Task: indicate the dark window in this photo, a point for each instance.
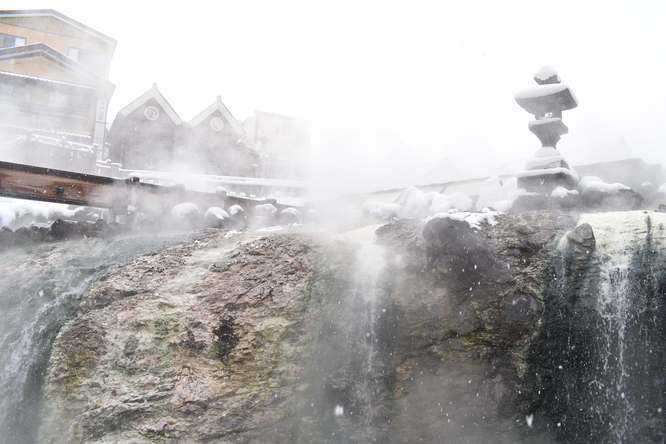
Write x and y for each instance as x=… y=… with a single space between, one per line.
x=12 y=92
x=7 y=41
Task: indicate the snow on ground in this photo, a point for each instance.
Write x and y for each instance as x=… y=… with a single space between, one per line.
x=473 y=219
x=276 y=228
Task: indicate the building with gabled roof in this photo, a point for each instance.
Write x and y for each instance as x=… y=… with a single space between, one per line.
x=147 y=134
x=54 y=89
x=143 y=133
x=212 y=138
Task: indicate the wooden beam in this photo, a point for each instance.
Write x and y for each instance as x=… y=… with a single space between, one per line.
x=123 y=196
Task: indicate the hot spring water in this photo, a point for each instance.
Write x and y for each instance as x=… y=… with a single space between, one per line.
x=601 y=361
x=348 y=385
x=596 y=372
x=40 y=288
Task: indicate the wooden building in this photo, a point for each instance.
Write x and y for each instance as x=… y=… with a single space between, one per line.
x=54 y=89
x=149 y=135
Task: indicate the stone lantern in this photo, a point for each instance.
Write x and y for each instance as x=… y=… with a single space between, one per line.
x=547 y=169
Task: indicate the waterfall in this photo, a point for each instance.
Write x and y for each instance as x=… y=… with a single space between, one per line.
x=40 y=289
x=351 y=376
x=601 y=357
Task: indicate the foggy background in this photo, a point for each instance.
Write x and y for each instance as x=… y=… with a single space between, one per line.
x=391 y=86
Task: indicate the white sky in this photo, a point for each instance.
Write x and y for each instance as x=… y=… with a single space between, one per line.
x=392 y=84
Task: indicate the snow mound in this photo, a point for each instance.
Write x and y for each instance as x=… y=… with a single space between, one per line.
x=381 y=210
x=216 y=212
x=562 y=192
x=21 y=212
x=594 y=183
x=266 y=209
x=235 y=209
x=290 y=210
x=276 y=228
x=184 y=211
x=416 y=203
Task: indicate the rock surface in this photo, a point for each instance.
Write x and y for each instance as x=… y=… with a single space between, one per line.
x=254 y=339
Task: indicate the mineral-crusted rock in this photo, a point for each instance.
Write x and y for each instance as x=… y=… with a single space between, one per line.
x=251 y=339
x=582 y=241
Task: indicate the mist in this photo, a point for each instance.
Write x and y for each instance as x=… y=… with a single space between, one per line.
x=398 y=85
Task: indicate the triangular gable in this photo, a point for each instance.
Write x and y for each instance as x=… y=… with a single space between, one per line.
x=152 y=93
x=218 y=106
x=83 y=74
x=53 y=22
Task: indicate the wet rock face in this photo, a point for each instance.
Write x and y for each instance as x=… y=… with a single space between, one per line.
x=251 y=339
x=170 y=347
x=463 y=329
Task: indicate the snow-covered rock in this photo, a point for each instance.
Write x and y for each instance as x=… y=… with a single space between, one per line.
x=594 y=183
x=491 y=192
x=416 y=203
x=216 y=217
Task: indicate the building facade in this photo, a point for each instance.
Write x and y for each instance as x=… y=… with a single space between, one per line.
x=284 y=140
x=54 y=90
x=149 y=135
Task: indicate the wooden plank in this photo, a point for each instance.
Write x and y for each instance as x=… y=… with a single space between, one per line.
x=122 y=196
x=66 y=187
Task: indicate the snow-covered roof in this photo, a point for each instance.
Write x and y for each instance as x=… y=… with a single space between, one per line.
x=43 y=79
x=21 y=18
x=43 y=50
x=218 y=106
x=152 y=93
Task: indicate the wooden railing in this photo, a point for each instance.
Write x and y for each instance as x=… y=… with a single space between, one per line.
x=122 y=196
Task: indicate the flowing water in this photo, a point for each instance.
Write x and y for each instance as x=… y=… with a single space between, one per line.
x=602 y=359
x=350 y=377
x=40 y=288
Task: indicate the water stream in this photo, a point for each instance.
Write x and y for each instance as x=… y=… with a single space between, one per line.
x=40 y=289
x=602 y=353
x=351 y=374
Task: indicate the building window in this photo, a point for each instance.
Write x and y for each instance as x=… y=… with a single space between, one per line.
x=78 y=102
x=216 y=124
x=68 y=101
x=151 y=113
x=58 y=100
x=7 y=41
x=12 y=92
x=150 y=160
x=95 y=61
